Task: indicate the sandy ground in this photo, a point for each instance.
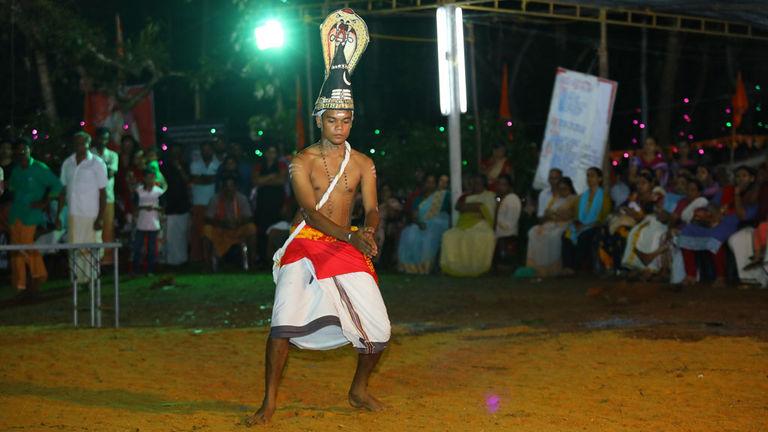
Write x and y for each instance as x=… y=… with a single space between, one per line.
x=511 y=378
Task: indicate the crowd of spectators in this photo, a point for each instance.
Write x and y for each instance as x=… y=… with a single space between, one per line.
x=673 y=217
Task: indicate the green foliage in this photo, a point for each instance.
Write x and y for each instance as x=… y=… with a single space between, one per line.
x=424 y=147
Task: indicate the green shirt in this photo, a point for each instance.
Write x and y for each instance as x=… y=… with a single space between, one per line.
x=28 y=186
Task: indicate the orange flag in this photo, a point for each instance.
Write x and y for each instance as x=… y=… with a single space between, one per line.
x=739 y=102
x=300 y=137
x=504 y=113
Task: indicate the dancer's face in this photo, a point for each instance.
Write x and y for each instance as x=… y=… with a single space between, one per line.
x=335 y=125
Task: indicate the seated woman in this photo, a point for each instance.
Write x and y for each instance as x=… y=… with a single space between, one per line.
x=420 y=240
x=507 y=222
x=467 y=249
x=645 y=238
x=612 y=237
x=713 y=225
x=749 y=245
x=578 y=248
x=712 y=190
x=647 y=254
x=545 y=239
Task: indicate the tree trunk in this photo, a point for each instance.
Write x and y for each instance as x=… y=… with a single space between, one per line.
x=667 y=92
x=46 y=88
x=516 y=69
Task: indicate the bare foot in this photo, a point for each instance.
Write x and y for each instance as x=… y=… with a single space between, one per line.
x=688 y=281
x=261 y=417
x=365 y=401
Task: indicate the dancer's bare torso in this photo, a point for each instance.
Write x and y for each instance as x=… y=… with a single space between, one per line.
x=317 y=165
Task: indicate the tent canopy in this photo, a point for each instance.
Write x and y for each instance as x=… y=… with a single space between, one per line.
x=754 y=12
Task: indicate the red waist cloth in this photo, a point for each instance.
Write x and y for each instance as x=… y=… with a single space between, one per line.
x=329 y=256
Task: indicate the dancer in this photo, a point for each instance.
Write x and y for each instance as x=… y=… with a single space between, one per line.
x=327 y=293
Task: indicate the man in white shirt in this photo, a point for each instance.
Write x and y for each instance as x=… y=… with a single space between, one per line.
x=84 y=177
x=507 y=219
x=112 y=161
x=545 y=196
x=203 y=172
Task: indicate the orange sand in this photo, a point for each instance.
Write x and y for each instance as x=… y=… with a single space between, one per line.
x=174 y=380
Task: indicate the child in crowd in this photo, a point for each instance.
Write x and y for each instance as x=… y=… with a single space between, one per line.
x=148 y=220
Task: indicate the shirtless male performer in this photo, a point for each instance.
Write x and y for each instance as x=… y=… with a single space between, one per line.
x=327 y=293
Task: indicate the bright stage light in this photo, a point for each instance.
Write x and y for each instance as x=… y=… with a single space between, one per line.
x=450 y=54
x=269 y=35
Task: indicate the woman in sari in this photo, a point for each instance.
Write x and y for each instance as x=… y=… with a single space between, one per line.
x=545 y=239
x=711 y=227
x=467 y=249
x=420 y=241
x=579 y=249
x=612 y=238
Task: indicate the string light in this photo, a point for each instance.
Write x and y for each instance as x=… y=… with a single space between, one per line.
x=727 y=124
x=164 y=128
x=125 y=126
x=615 y=163
x=82 y=123
x=635 y=122
x=213 y=131
x=372 y=151
x=260 y=132
x=701 y=151
x=509 y=124
x=164 y=147
x=34 y=131
x=626 y=155
x=690 y=136
x=441 y=129
x=464 y=162
x=376 y=131
x=642 y=125
x=686 y=100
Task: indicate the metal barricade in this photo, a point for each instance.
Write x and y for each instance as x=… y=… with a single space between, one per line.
x=84 y=261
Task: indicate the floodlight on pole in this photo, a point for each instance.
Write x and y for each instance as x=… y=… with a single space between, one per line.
x=450 y=59
x=453 y=87
x=269 y=35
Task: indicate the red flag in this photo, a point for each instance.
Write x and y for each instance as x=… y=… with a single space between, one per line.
x=300 y=137
x=739 y=102
x=504 y=113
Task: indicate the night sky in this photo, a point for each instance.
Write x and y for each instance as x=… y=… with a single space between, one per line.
x=395 y=84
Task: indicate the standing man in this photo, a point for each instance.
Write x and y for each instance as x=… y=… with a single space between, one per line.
x=327 y=293
x=203 y=171
x=112 y=160
x=177 y=205
x=84 y=177
x=33 y=185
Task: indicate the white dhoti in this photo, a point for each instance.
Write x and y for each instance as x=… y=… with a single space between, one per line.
x=84 y=262
x=327 y=296
x=742 y=245
x=646 y=237
x=176 y=243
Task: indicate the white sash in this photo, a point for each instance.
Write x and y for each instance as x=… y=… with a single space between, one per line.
x=280 y=252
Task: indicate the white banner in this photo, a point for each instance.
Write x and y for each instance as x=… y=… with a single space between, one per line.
x=577 y=127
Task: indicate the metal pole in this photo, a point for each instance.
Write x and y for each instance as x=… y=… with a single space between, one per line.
x=475 y=105
x=92 y=287
x=602 y=53
x=73 y=277
x=117 y=290
x=454 y=118
x=310 y=104
x=98 y=287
